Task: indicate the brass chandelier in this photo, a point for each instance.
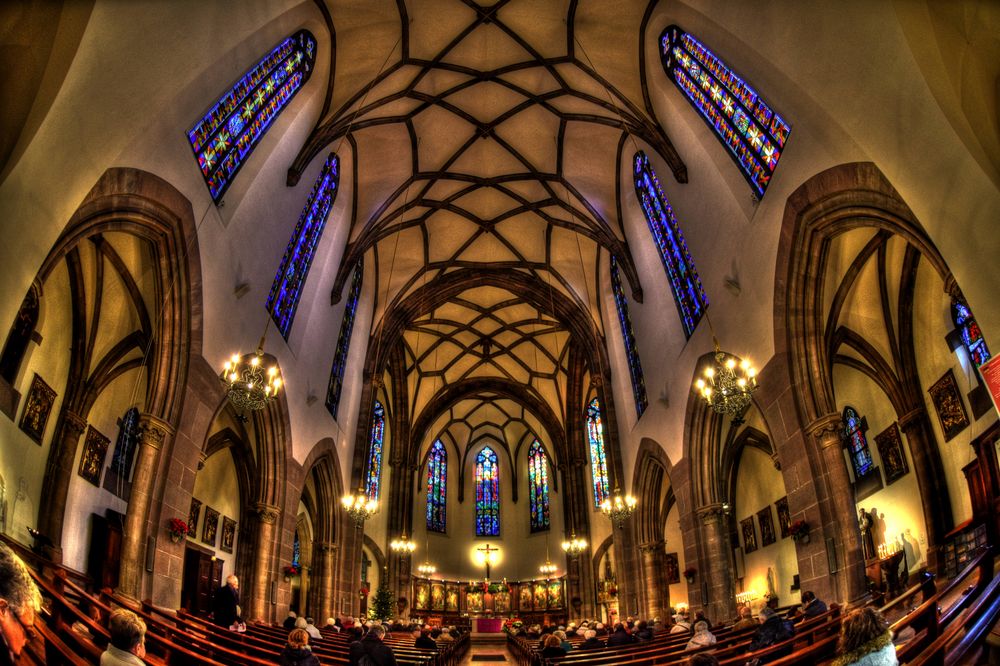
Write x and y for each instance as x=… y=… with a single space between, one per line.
x=359 y=507
x=618 y=507
x=249 y=385
x=727 y=385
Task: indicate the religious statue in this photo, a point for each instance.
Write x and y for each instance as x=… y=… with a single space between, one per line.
x=867 y=538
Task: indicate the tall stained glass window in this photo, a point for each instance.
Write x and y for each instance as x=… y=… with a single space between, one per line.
x=972 y=335
x=296 y=551
x=375 y=451
x=487 y=493
x=538 y=487
x=598 y=455
x=857 y=443
x=226 y=136
x=745 y=124
x=688 y=294
x=344 y=343
x=628 y=335
x=291 y=277
x=437 y=486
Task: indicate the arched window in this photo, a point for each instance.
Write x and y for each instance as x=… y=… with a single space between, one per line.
x=117 y=478
x=598 y=456
x=688 y=294
x=225 y=137
x=344 y=343
x=744 y=123
x=487 y=493
x=972 y=336
x=857 y=443
x=628 y=335
x=437 y=486
x=297 y=551
x=538 y=487
x=375 y=450
x=291 y=277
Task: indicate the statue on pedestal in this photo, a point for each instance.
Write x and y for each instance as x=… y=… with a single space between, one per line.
x=867 y=538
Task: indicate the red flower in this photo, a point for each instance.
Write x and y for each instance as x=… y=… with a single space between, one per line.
x=177 y=527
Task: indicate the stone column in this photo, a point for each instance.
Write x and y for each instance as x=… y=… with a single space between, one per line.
x=929 y=471
x=654 y=579
x=325 y=554
x=259 y=588
x=717 y=577
x=850 y=580
x=152 y=432
x=55 y=489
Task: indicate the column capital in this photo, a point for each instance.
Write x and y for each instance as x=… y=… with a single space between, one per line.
x=652 y=546
x=325 y=546
x=912 y=417
x=76 y=423
x=153 y=430
x=266 y=513
x=826 y=430
x=710 y=513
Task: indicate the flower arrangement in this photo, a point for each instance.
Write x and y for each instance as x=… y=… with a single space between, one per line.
x=178 y=529
x=689 y=574
x=363 y=592
x=799 y=530
x=291 y=570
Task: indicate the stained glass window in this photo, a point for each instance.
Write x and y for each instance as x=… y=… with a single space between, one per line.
x=754 y=134
x=437 y=480
x=972 y=335
x=487 y=493
x=598 y=455
x=224 y=139
x=343 y=343
x=291 y=277
x=128 y=437
x=538 y=487
x=296 y=551
x=628 y=335
x=857 y=443
x=688 y=294
x=375 y=450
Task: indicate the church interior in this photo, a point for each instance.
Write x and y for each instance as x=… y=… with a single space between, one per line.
x=534 y=310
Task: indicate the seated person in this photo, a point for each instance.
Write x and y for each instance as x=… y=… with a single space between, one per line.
x=312 y=629
x=127 y=646
x=699 y=616
x=811 y=606
x=447 y=635
x=620 y=637
x=591 y=642
x=424 y=640
x=552 y=648
x=289 y=622
x=643 y=632
x=297 y=652
x=746 y=620
x=702 y=636
x=773 y=629
x=681 y=625
x=703 y=659
x=561 y=635
x=332 y=625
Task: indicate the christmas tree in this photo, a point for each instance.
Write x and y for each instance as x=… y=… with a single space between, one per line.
x=383 y=602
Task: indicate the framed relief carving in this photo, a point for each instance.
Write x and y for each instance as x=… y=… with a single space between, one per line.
x=749 y=535
x=949 y=406
x=37 y=407
x=890 y=449
x=211 y=526
x=95 y=448
x=767 y=536
x=228 y=534
x=784 y=517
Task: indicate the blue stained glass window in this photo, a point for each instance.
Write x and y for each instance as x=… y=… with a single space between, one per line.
x=375 y=451
x=598 y=455
x=128 y=437
x=296 y=551
x=487 y=493
x=538 y=487
x=745 y=124
x=225 y=137
x=437 y=486
x=684 y=281
x=628 y=335
x=857 y=443
x=972 y=335
x=291 y=277
x=343 y=343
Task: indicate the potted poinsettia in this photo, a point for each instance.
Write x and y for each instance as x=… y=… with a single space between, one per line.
x=799 y=531
x=689 y=574
x=177 y=529
x=291 y=570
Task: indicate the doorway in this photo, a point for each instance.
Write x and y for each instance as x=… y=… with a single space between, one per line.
x=202 y=576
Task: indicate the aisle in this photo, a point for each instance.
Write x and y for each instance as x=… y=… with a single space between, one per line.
x=484 y=651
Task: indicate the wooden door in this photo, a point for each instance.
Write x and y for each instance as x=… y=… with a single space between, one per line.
x=202 y=576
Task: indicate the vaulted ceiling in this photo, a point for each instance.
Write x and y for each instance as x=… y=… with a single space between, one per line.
x=484 y=139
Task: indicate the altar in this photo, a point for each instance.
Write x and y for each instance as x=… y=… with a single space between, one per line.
x=487 y=625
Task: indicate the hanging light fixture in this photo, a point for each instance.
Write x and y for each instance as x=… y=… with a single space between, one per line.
x=727 y=385
x=427 y=569
x=548 y=568
x=359 y=506
x=574 y=546
x=618 y=507
x=249 y=385
x=402 y=546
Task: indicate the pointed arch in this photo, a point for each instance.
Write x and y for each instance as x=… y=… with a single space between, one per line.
x=538 y=487
x=487 y=480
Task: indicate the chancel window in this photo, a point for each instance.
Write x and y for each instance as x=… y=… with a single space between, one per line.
x=375 y=451
x=291 y=277
x=437 y=485
x=857 y=443
x=538 y=487
x=688 y=293
x=746 y=125
x=628 y=336
x=344 y=343
x=972 y=335
x=598 y=455
x=487 y=493
x=225 y=137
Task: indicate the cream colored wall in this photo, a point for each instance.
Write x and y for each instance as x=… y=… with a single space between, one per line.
x=217 y=487
x=759 y=485
x=675 y=544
